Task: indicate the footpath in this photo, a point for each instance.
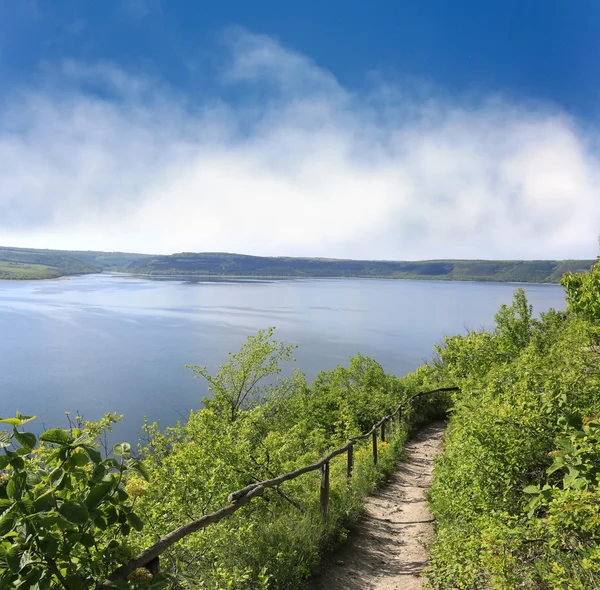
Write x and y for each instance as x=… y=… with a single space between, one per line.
x=388 y=548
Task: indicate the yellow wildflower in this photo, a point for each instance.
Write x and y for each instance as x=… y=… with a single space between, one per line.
x=136 y=487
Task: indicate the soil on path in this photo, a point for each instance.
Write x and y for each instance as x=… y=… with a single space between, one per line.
x=388 y=548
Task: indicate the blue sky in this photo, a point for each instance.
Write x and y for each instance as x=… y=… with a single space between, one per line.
x=396 y=130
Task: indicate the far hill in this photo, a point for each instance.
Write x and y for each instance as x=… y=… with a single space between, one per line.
x=238 y=265
x=27 y=263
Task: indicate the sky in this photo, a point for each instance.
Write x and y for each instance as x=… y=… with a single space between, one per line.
x=421 y=129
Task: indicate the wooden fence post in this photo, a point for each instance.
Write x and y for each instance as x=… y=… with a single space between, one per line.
x=350 y=461
x=383 y=431
x=375 y=446
x=324 y=489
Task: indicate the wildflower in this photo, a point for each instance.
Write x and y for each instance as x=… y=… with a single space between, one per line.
x=557 y=453
x=136 y=487
x=141 y=574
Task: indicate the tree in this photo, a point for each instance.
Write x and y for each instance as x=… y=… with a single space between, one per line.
x=248 y=375
x=513 y=324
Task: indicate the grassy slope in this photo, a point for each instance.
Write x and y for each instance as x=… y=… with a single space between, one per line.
x=28 y=263
x=21 y=271
x=23 y=263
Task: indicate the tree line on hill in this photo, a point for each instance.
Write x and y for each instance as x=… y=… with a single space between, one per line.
x=20 y=263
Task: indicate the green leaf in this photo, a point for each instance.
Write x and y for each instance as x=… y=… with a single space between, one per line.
x=14 y=487
x=98 y=493
x=25 y=439
x=13 y=558
x=12 y=421
x=57 y=436
x=74 y=537
x=74 y=512
x=135 y=521
x=74 y=582
x=23 y=418
x=98 y=473
x=87 y=540
x=122 y=449
x=100 y=522
x=56 y=477
x=16 y=462
x=78 y=460
x=531 y=490
x=93 y=454
x=83 y=439
x=5 y=439
x=5 y=504
x=7 y=523
x=49 y=546
x=111 y=514
x=43 y=503
x=139 y=467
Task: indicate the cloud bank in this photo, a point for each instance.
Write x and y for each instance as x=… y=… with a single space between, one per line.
x=292 y=163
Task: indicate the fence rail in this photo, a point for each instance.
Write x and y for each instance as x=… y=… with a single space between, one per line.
x=149 y=557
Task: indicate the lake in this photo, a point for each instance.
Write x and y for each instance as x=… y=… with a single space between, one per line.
x=103 y=343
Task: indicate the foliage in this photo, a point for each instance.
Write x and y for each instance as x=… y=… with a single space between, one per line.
x=583 y=292
x=66 y=513
x=239 y=383
x=275 y=541
x=515 y=493
x=20 y=271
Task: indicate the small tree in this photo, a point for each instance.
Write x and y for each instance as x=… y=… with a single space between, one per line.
x=244 y=379
x=513 y=324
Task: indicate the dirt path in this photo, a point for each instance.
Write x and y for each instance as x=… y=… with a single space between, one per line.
x=388 y=548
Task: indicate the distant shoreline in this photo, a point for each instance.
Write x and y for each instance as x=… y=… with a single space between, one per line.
x=271 y=277
x=317 y=278
x=27 y=264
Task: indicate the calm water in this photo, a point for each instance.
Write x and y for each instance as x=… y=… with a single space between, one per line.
x=104 y=343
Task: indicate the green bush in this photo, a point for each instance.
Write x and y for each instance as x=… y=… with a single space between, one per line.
x=66 y=513
x=515 y=493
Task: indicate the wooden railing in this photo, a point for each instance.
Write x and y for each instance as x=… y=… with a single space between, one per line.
x=149 y=557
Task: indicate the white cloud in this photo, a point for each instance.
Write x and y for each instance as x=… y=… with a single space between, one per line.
x=96 y=157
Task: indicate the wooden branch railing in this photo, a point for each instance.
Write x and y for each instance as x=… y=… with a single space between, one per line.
x=245 y=495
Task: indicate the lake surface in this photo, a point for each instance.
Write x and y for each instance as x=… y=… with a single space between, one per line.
x=104 y=343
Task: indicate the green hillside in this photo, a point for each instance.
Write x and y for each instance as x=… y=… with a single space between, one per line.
x=29 y=263
x=26 y=263
x=221 y=264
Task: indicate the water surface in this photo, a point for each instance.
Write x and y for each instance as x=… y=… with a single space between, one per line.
x=103 y=343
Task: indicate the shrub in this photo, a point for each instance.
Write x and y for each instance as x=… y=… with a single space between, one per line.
x=66 y=513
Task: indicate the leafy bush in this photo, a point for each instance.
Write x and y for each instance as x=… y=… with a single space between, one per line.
x=66 y=513
x=583 y=292
x=515 y=493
